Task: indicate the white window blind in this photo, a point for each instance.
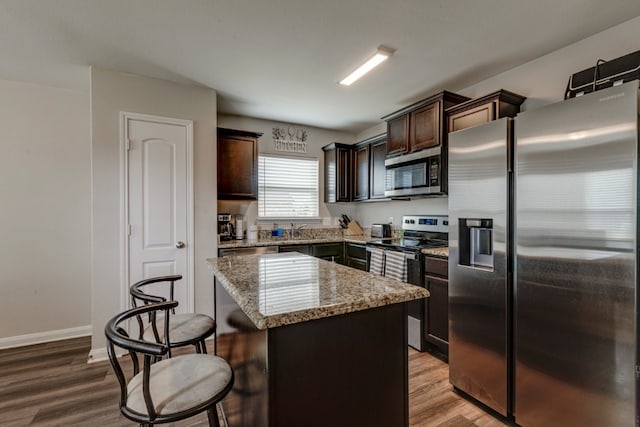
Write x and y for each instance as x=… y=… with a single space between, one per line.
x=287 y=187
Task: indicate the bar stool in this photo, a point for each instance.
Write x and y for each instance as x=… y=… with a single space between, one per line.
x=167 y=390
x=184 y=328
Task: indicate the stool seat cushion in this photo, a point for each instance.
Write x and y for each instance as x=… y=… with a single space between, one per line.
x=180 y=383
x=183 y=327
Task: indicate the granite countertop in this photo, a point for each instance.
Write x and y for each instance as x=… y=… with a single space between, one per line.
x=276 y=242
x=286 y=288
x=286 y=241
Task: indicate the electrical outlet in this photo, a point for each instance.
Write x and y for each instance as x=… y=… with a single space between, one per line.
x=391 y=220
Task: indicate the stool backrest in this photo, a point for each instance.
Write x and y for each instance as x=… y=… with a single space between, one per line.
x=117 y=336
x=139 y=297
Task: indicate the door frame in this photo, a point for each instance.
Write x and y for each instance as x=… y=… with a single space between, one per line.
x=124 y=204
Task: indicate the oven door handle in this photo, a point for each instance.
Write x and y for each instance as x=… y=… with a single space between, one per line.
x=410 y=255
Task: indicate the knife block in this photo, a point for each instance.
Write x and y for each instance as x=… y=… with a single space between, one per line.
x=353 y=229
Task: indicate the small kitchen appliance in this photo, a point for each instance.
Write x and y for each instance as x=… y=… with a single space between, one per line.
x=380 y=231
x=239 y=229
x=226 y=229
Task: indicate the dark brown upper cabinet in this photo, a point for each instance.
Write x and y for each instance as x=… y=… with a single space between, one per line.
x=237 y=164
x=368 y=168
x=397 y=132
x=420 y=125
x=337 y=172
x=484 y=109
x=361 y=172
x=424 y=127
x=377 y=172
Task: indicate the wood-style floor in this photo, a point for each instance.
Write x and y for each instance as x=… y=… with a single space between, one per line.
x=52 y=385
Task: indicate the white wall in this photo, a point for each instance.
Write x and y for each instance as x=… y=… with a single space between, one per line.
x=316 y=139
x=542 y=81
x=111 y=93
x=45 y=262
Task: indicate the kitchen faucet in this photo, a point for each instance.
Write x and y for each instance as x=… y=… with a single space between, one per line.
x=296 y=230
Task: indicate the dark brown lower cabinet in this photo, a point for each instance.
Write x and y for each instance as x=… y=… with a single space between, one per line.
x=328 y=251
x=303 y=249
x=355 y=255
x=347 y=370
x=437 y=305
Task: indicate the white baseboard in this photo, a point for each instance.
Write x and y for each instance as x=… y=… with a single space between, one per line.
x=98 y=355
x=42 y=337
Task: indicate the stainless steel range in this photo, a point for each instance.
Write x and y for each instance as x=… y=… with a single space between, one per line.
x=418 y=232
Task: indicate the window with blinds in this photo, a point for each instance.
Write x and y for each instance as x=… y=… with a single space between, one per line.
x=287 y=187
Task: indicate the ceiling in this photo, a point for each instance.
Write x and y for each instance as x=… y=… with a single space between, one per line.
x=280 y=59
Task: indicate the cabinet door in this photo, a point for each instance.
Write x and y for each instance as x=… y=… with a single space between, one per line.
x=437 y=313
x=355 y=250
x=328 y=251
x=343 y=167
x=378 y=173
x=337 y=173
x=361 y=173
x=237 y=167
x=475 y=116
x=398 y=135
x=330 y=176
x=425 y=127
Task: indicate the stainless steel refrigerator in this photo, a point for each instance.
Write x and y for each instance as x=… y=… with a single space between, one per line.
x=543 y=261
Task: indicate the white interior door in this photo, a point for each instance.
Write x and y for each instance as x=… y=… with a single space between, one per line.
x=159 y=200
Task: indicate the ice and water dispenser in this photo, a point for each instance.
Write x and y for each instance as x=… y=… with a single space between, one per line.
x=476 y=242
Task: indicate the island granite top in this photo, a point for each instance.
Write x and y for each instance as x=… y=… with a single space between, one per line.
x=286 y=288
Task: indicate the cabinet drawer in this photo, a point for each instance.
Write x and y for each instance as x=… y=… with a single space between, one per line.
x=436 y=266
x=357 y=263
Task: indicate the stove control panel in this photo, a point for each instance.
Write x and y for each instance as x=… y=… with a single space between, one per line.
x=432 y=223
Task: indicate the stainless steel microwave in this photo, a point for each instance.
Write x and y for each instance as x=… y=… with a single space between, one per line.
x=413 y=174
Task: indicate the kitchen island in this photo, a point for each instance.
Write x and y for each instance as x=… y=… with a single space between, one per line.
x=322 y=344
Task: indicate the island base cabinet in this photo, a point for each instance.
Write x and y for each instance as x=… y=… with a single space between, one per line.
x=343 y=371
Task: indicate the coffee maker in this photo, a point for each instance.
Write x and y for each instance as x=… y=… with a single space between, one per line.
x=226 y=230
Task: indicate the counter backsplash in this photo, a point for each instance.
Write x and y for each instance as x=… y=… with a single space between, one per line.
x=304 y=234
x=316 y=233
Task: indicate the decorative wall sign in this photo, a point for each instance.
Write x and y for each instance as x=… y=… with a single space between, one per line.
x=292 y=140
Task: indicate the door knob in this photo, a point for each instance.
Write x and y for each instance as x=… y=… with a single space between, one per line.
x=180 y=245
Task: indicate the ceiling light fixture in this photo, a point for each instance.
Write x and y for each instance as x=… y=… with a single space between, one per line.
x=382 y=54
